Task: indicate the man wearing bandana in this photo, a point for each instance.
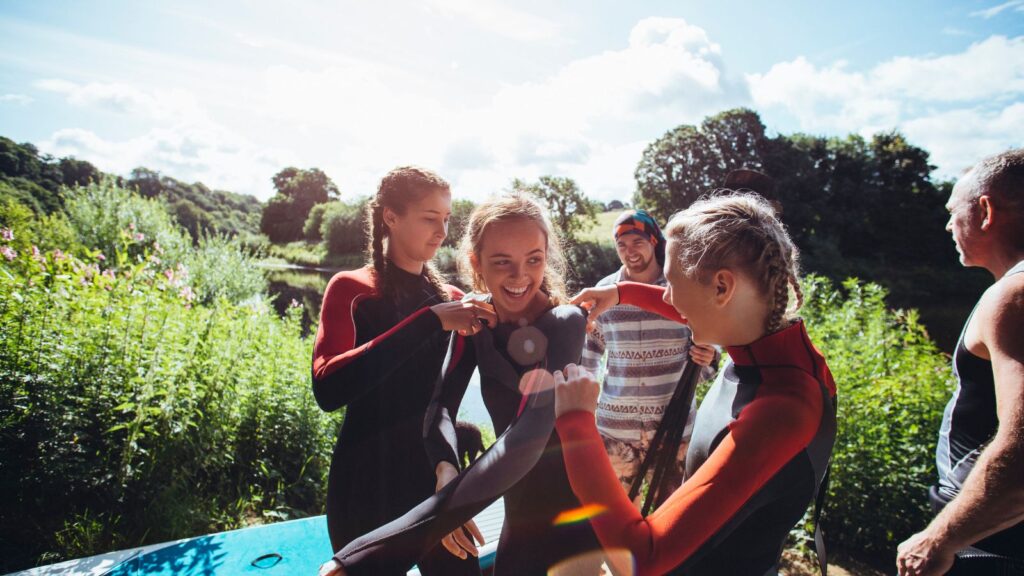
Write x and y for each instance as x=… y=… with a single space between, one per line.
x=646 y=355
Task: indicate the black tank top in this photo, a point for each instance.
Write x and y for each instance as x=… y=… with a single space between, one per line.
x=969 y=421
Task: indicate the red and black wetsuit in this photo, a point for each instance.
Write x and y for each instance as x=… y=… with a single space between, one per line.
x=524 y=465
x=760 y=447
x=380 y=359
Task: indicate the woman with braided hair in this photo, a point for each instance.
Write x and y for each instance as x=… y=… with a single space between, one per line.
x=383 y=334
x=764 y=433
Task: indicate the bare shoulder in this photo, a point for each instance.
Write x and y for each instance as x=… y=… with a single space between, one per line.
x=1000 y=318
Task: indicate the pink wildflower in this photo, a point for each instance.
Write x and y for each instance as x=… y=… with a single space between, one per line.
x=108 y=273
x=36 y=255
x=58 y=255
x=187 y=294
x=8 y=253
x=101 y=257
x=139 y=236
x=7 y=234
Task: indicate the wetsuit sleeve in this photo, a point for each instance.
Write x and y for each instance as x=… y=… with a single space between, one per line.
x=758 y=444
x=342 y=371
x=395 y=547
x=439 y=422
x=648 y=297
x=594 y=348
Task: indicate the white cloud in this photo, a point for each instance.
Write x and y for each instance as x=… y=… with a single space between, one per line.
x=213 y=157
x=365 y=119
x=1015 y=5
x=19 y=99
x=126 y=99
x=590 y=114
x=958 y=138
x=958 y=106
x=991 y=68
x=498 y=18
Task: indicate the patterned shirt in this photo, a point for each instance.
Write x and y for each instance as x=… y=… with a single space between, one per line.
x=646 y=355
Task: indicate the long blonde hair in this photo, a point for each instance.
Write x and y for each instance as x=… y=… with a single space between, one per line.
x=740 y=230
x=510 y=207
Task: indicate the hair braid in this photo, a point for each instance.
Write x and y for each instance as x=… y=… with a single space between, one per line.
x=795 y=283
x=377 y=231
x=740 y=229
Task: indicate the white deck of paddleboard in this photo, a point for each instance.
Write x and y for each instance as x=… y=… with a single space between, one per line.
x=489 y=521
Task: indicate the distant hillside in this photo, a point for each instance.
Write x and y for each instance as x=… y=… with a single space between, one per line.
x=36 y=180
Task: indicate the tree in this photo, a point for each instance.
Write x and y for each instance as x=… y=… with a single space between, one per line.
x=689 y=161
x=461 y=209
x=76 y=172
x=297 y=192
x=344 y=228
x=192 y=218
x=569 y=208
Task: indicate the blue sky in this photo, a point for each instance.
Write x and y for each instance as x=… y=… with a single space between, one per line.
x=487 y=90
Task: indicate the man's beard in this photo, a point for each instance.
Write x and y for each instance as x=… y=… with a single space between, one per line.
x=640 y=266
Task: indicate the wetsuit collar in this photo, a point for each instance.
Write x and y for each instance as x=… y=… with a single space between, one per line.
x=786 y=346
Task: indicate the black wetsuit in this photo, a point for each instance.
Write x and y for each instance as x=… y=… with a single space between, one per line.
x=969 y=423
x=380 y=359
x=525 y=463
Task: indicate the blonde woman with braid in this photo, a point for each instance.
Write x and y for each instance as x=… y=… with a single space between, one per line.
x=764 y=433
x=383 y=333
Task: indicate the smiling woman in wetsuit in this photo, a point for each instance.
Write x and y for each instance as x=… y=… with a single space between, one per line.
x=764 y=432
x=382 y=337
x=510 y=252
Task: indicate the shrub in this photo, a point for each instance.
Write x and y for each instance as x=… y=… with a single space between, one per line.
x=590 y=262
x=132 y=414
x=893 y=385
x=343 y=228
x=220 y=267
x=111 y=219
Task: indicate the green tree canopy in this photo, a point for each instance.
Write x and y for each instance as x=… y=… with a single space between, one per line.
x=298 y=191
x=569 y=208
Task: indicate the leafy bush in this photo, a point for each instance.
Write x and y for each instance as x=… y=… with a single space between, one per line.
x=132 y=414
x=343 y=228
x=590 y=262
x=109 y=218
x=893 y=385
x=220 y=267
x=44 y=231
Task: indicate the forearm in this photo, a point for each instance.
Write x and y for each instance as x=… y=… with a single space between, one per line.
x=341 y=377
x=992 y=498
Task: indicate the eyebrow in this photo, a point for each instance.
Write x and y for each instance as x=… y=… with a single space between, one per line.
x=530 y=253
x=432 y=211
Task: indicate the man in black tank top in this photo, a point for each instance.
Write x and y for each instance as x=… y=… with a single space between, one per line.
x=980 y=494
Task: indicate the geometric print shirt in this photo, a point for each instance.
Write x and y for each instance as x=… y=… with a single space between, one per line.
x=646 y=355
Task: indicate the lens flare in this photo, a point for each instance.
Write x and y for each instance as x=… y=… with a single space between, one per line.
x=585 y=512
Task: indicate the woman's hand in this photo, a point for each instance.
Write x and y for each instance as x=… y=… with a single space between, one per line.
x=332 y=568
x=701 y=354
x=575 y=389
x=466 y=317
x=458 y=542
x=596 y=301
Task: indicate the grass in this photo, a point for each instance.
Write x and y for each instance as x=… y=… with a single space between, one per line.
x=602 y=231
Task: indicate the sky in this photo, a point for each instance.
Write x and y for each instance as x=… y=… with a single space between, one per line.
x=484 y=91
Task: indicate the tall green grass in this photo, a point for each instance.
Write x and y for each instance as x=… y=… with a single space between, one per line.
x=135 y=408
